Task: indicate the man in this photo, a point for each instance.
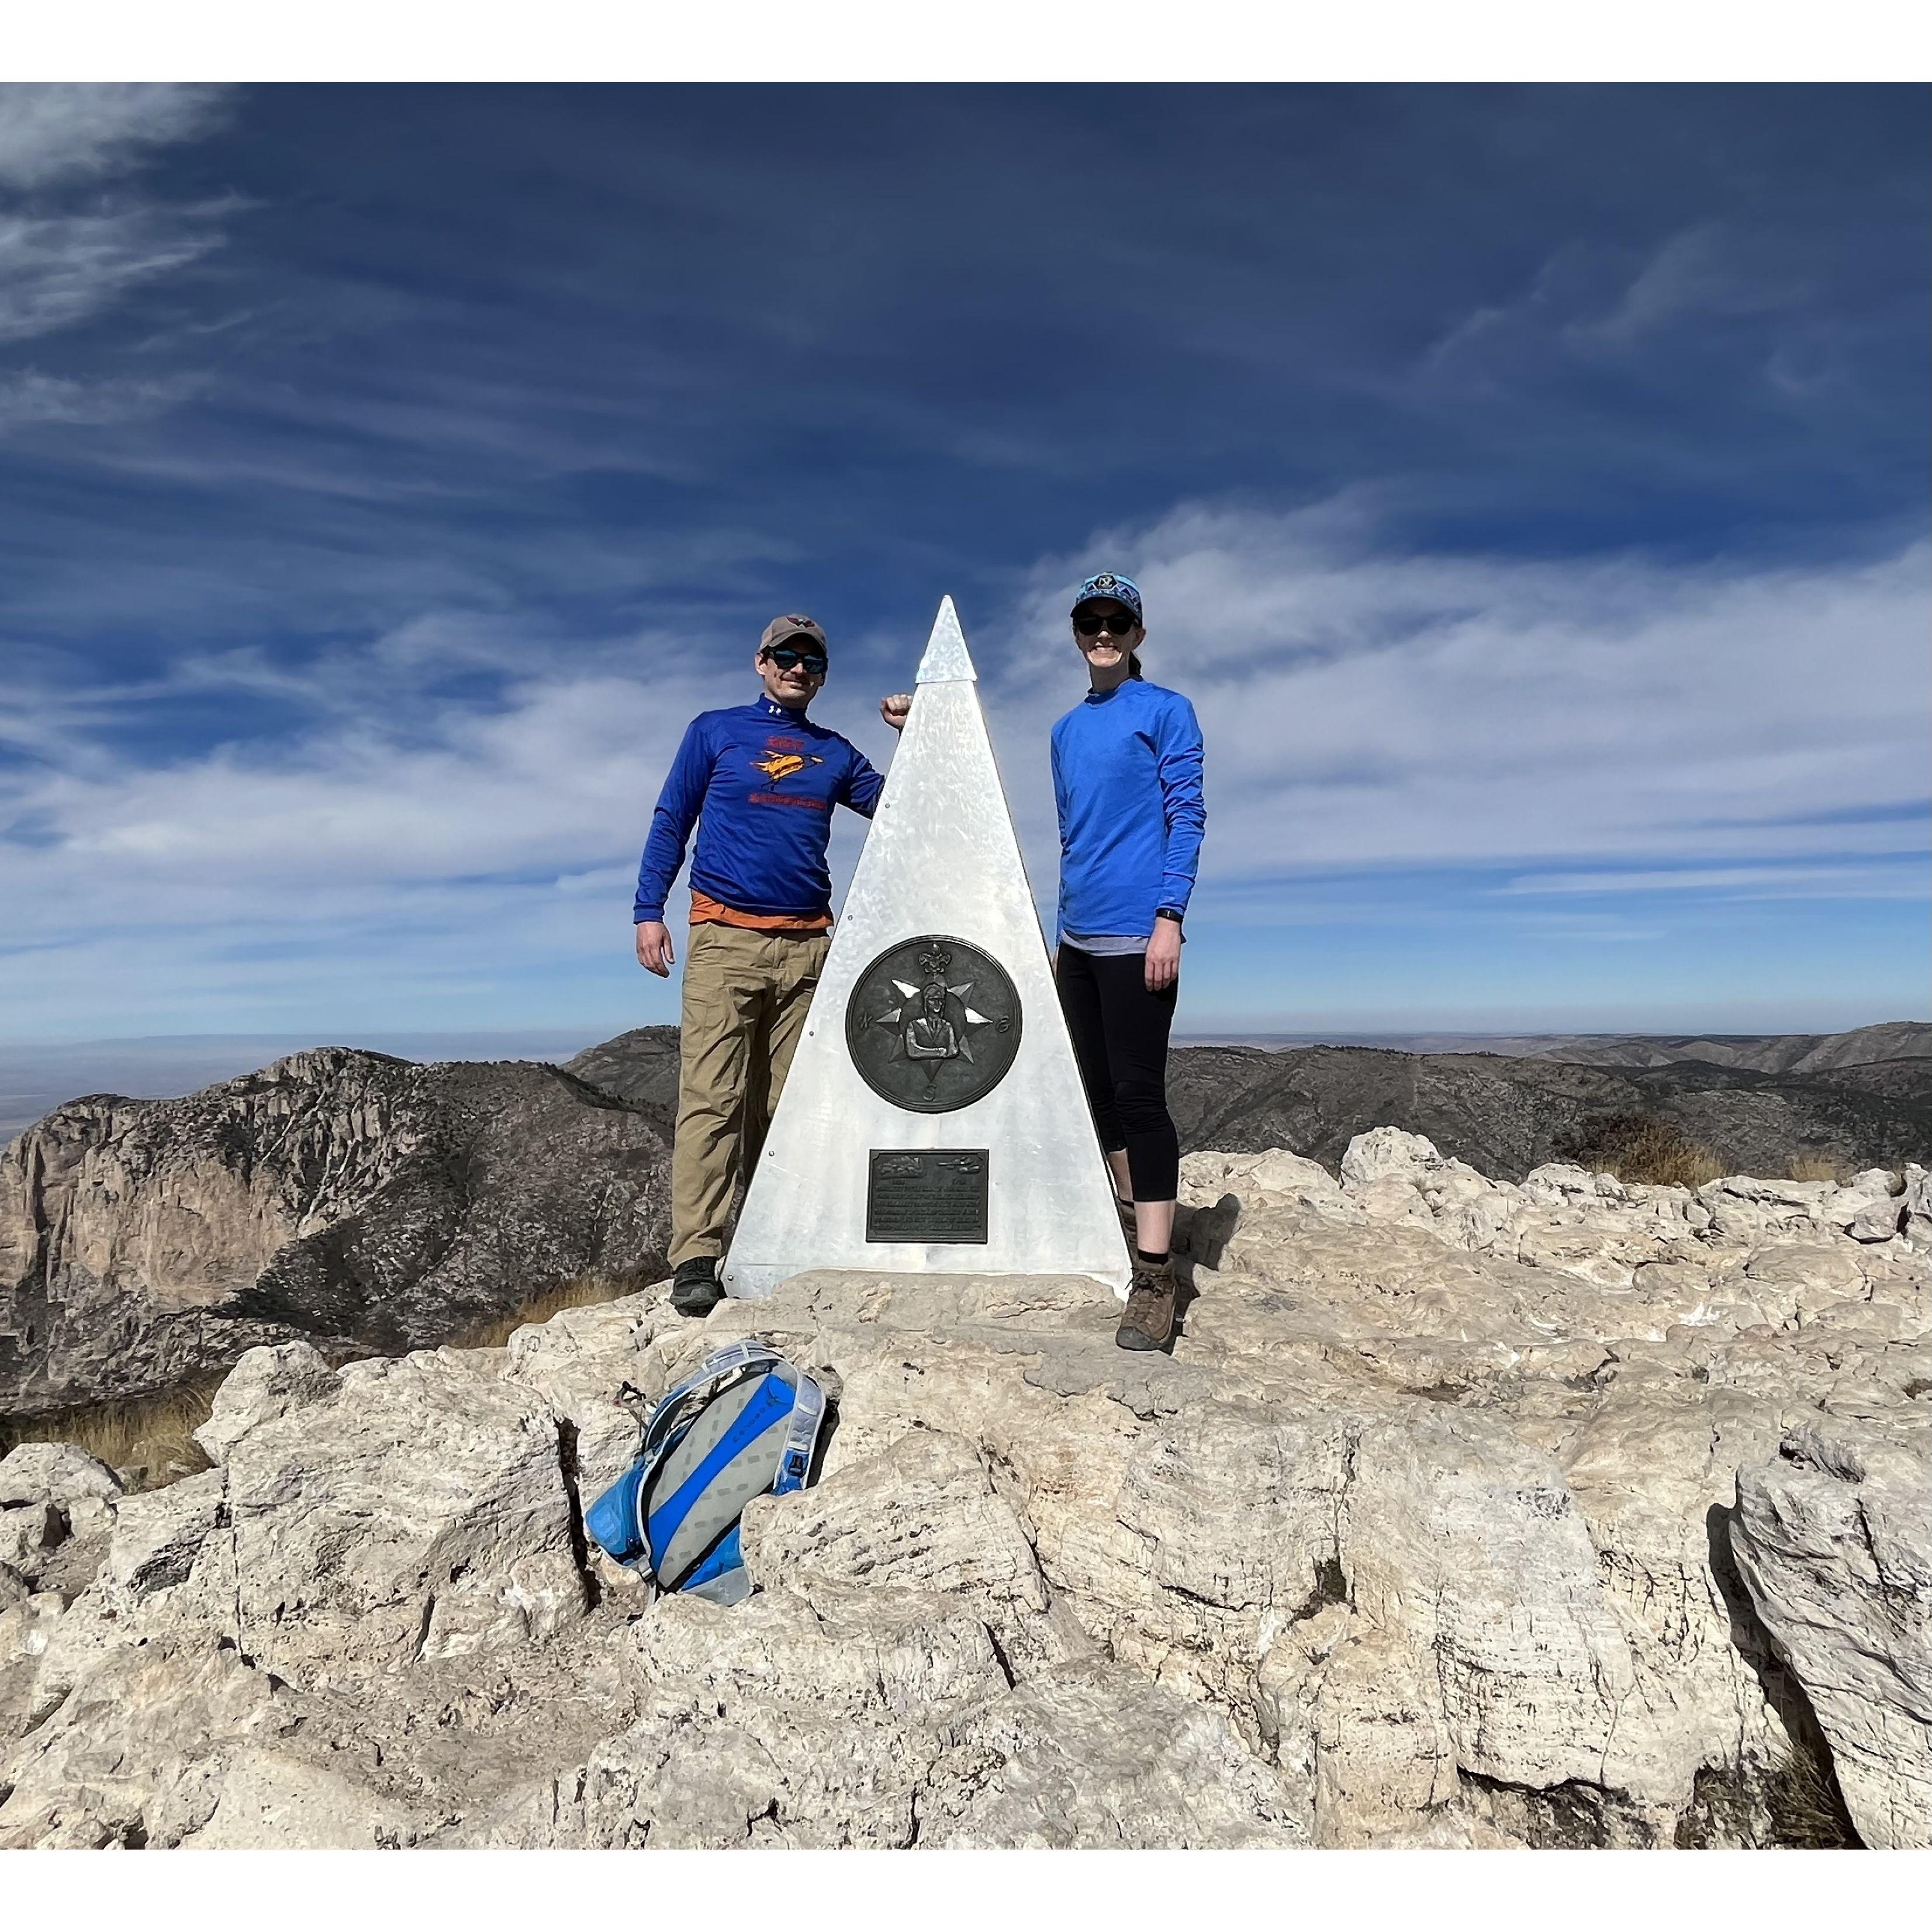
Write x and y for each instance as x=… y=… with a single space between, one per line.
x=759 y=782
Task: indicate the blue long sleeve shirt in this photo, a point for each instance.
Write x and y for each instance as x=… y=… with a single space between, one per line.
x=759 y=782
x=1126 y=779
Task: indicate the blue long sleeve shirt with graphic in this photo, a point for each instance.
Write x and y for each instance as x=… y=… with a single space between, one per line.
x=759 y=782
x=1126 y=779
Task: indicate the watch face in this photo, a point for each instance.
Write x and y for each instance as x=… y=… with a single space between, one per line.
x=933 y=1024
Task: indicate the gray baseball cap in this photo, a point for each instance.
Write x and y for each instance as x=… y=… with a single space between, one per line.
x=794 y=625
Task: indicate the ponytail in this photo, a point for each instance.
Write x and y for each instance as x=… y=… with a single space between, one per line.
x=1133 y=664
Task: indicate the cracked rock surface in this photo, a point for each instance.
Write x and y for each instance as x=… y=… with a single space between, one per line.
x=1463 y=1513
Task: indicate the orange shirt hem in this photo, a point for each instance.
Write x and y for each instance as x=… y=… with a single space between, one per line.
x=707 y=911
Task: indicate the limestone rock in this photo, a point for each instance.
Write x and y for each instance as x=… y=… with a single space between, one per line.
x=159 y=1535
x=1430 y=1531
x=583 y=1362
x=26 y=1529
x=1915 y=1206
x=265 y=1383
x=1833 y=1537
x=55 y=1472
x=421 y=1513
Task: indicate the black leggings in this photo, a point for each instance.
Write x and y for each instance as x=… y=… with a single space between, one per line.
x=1120 y=1038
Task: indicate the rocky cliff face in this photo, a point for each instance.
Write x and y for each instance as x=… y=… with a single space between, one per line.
x=1463 y=1513
x=365 y=1203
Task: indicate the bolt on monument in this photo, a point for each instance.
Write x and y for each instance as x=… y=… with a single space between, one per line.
x=933 y=1120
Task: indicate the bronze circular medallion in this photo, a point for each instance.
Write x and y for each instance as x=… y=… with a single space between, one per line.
x=932 y=1025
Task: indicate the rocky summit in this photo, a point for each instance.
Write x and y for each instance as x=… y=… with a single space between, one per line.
x=359 y=1202
x=1463 y=1513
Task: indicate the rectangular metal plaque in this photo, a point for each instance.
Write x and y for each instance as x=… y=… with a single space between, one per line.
x=932 y=1196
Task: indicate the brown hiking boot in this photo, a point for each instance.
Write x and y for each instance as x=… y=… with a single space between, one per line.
x=1129 y=1226
x=1149 y=1319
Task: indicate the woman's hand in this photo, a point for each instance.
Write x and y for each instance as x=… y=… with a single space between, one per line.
x=1163 y=956
x=895 y=710
x=654 y=952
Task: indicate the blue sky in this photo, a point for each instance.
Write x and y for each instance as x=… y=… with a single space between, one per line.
x=1529 y=485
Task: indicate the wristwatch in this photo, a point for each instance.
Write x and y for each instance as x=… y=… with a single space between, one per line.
x=1167 y=912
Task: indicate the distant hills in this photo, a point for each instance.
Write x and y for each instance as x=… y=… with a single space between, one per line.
x=1503 y=1102
x=1759 y=1053
x=1755 y=1102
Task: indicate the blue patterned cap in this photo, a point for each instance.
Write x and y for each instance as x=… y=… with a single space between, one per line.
x=1122 y=589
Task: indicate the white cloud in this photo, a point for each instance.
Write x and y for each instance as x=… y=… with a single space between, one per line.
x=1365 y=708
x=1624 y=725
x=56 y=132
x=63 y=257
x=1712 y=269
x=56 y=270
x=1904 y=881
x=31 y=397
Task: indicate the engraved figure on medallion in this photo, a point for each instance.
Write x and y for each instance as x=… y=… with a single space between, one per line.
x=933 y=1024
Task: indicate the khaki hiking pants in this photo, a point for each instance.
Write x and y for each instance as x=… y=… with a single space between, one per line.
x=745 y=996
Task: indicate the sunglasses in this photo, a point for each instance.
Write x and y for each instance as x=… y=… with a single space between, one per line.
x=1116 y=625
x=785 y=658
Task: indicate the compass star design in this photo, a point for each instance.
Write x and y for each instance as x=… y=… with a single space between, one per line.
x=933 y=1024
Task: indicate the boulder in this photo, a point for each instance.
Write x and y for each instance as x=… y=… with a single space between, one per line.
x=264 y=1384
x=1833 y=1537
x=427 y=1517
x=56 y=1473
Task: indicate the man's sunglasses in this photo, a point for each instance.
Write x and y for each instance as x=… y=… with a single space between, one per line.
x=785 y=657
x=1116 y=625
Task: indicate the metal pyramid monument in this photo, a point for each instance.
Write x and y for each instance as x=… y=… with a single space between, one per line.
x=933 y=1120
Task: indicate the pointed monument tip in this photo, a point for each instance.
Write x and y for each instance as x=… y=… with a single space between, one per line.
x=946 y=660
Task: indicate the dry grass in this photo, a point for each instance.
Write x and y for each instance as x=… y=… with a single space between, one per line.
x=1807 y=1811
x=1642 y=1148
x=1815 y=1167
x=149 y=1439
x=586 y=1291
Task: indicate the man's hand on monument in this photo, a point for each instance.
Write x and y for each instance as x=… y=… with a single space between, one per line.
x=895 y=710
x=654 y=952
x=1163 y=956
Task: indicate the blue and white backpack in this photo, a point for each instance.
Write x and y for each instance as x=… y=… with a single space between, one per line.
x=744 y=1424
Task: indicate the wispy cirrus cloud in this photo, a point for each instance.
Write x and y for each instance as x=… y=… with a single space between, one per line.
x=34 y=398
x=56 y=270
x=77 y=234
x=362 y=559
x=63 y=133
x=1902 y=878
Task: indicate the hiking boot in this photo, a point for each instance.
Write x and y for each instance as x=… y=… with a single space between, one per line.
x=1149 y=1319
x=694 y=1288
x=1129 y=1226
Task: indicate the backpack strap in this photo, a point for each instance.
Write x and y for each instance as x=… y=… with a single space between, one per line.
x=715 y=1372
x=808 y=1411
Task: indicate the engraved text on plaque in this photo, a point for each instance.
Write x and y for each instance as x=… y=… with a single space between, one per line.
x=934 y=1195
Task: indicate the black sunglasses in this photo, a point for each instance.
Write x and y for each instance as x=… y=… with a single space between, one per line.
x=785 y=657
x=1117 y=625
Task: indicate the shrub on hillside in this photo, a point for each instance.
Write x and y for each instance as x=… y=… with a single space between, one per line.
x=1643 y=1147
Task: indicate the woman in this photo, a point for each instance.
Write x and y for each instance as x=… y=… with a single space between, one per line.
x=1126 y=778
